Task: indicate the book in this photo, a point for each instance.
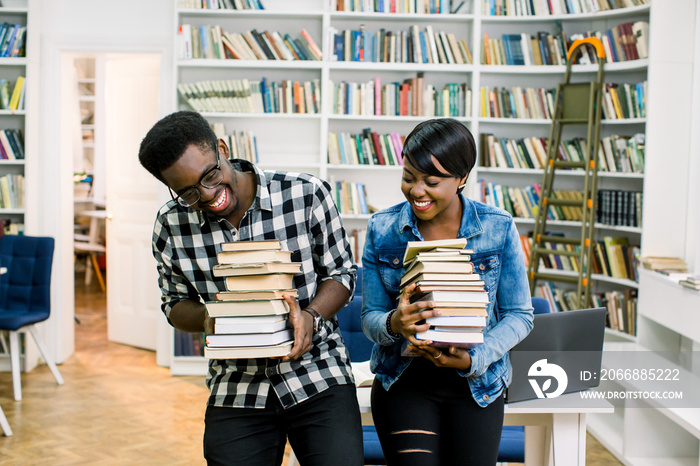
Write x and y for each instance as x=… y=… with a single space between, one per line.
x=242 y=257
x=454 y=298
x=437 y=276
x=273 y=281
x=251 y=245
x=249 y=352
x=441 y=267
x=225 y=328
x=253 y=307
x=457 y=321
x=252 y=295
x=467 y=310
x=445 y=338
x=476 y=285
x=261 y=268
x=250 y=339
x=415 y=247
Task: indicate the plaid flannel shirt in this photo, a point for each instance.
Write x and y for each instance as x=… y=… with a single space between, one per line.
x=298 y=210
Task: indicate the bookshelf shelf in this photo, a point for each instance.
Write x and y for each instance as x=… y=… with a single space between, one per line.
x=251 y=14
x=403 y=17
x=632 y=65
x=282 y=116
x=580 y=17
x=390 y=118
x=349 y=167
x=251 y=64
x=13 y=112
x=577 y=224
x=595 y=276
x=539 y=172
x=12 y=162
x=413 y=67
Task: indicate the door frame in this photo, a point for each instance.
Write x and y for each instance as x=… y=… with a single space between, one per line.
x=54 y=189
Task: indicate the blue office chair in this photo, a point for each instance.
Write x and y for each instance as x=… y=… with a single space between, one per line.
x=25 y=296
x=513 y=437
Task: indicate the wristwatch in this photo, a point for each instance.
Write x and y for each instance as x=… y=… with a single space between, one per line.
x=318 y=318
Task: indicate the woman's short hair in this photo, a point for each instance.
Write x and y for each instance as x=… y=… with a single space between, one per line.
x=448 y=140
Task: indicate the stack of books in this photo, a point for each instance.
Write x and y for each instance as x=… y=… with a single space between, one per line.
x=251 y=318
x=443 y=272
x=662 y=263
x=692 y=282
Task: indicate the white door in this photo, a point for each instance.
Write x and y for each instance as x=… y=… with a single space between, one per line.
x=131 y=108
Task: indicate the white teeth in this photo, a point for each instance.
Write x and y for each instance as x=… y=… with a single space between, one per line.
x=219 y=201
x=421 y=204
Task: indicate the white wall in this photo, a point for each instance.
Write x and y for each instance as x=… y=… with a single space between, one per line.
x=667 y=180
x=68 y=26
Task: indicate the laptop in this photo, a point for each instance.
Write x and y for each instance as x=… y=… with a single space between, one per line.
x=562 y=354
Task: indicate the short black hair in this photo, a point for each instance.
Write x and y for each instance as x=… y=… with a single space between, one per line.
x=170 y=137
x=448 y=140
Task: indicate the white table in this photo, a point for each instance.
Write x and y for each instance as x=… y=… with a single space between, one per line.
x=555 y=430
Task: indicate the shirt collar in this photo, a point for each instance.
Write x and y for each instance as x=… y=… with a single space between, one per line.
x=470 y=226
x=262 y=199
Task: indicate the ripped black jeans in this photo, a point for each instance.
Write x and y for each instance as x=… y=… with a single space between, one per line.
x=429 y=418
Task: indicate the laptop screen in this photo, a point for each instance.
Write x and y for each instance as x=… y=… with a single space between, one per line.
x=561 y=355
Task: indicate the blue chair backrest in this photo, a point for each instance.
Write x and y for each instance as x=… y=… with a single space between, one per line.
x=541 y=305
x=27 y=283
x=359 y=346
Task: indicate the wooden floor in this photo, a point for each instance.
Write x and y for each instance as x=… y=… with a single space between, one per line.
x=116 y=406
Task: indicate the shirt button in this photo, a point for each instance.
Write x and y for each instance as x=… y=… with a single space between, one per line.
x=482 y=266
x=486 y=397
x=396 y=261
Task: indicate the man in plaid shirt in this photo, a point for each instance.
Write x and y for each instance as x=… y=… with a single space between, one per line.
x=307 y=396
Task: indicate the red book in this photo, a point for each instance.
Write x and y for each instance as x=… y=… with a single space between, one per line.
x=403 y=103
x=378 y=148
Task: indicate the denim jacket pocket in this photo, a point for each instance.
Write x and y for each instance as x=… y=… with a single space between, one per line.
x=391 y=268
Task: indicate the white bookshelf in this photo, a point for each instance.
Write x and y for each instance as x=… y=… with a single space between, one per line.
x=25 y=119
x=299 y=142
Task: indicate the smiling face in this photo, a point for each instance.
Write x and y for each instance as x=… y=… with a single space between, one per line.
x=222 y=200
x=431 y=197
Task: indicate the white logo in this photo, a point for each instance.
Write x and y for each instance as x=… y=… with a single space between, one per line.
x=542 y=369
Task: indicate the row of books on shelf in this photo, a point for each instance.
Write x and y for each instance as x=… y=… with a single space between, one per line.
x=221 y=4
x=356 y=238
x=412 y=97
x=14 y=99
x=613 y=207
x=242 y=144
x=620 y=101
x=621 y=304
x=212 y=42
x=9 y=227
x=612 y=257
x=244 y=96
x=366 y=148
x=398 y=6
x=619 y=208
x=553 y=7
x=12 y=40
x=624 y=42
x=11 y=144
x=617 y=154
x=188 y=344
x=12 y=191
x=351 y=198
x=410 y=46
x=251 y=317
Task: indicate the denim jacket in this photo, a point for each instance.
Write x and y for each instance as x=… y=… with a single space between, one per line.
x=497 y=257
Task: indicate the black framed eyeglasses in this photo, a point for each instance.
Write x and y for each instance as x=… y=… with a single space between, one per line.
x=211 y=179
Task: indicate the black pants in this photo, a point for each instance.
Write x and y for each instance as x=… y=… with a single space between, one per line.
x=429 y=418
x=323 y=430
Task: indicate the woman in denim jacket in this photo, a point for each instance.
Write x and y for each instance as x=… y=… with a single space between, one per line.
x=442 y=407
